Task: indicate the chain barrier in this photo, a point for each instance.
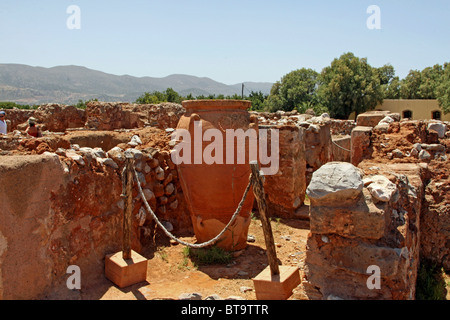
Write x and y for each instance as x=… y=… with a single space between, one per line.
x=170 y=235
x=341 y=146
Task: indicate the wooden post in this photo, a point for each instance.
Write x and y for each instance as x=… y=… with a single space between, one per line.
x=128 y=208
x=127 y=267
x=258 y=190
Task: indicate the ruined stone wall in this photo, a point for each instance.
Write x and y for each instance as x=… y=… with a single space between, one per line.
x=285 y=191
x=110 y=116
x=361 y=219
x=418 y=142
x=98 y=116
x=64 y=207
x=53 y=214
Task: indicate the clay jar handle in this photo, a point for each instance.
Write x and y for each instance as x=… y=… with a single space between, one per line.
x=195 y=117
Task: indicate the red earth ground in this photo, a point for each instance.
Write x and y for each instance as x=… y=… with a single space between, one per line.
x=171 y=272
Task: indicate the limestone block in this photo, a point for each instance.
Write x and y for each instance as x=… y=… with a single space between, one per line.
x=370 y=119
x=380 y=187
x=363 y=219
x=440 y=128
x=335 y=183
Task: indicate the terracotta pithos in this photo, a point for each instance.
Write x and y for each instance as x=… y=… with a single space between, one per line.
x=213 y=191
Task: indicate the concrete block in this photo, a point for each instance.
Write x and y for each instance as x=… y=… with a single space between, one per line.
x=125 y=273
x=278 y=287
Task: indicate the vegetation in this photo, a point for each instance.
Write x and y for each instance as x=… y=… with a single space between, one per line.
x=296 y=90
x=82 y=104
x=430 y=282
x=212 y=255
x=170 y=95
x=10 y=105
x=349 y=85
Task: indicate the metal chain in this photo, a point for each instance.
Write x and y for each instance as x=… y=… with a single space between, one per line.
x=192 y=245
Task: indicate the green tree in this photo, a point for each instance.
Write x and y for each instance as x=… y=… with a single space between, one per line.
x=257 y=99
x=294 y=89
x=349 y=85
x=148 y=98
x=431 y=79
x=392 y=90
x=410 y=86
x=443 y=89
x=171 y=95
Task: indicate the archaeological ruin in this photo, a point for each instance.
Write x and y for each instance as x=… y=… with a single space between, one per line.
x=374 y=194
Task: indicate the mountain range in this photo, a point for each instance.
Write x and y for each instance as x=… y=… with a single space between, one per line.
x=25 y=84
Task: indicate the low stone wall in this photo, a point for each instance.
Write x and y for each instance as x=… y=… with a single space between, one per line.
x=98 y=116
x=65 y=208
x=110 y=116
x=54 y=214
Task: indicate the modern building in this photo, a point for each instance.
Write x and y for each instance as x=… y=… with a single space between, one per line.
x=415 y=109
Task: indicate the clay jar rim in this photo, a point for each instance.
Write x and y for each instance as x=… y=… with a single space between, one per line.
x=220 y=104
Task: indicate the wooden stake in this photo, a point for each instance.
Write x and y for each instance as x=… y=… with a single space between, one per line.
x=128 y=209
x=258 y=190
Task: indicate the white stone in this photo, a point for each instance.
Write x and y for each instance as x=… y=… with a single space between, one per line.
x=136 y=154
x=335 y=181
x=107 y=162
x=76 y=157
x=135 y=141
x=98 y=152
x=381 y=188
x=424 y=155
x=117 y=154
x=440 y=128
x=386 y=120
x=159 y=173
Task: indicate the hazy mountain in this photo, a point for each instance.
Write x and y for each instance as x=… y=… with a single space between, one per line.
x=67 y=84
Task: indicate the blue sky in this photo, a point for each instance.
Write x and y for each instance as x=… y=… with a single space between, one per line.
x=227 y=40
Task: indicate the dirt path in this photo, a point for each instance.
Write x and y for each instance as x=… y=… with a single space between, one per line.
x=171 y=272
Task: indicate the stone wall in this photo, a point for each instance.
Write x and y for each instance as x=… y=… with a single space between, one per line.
x=54 y=214
x=110 y=116
x=65 y=208
x=285 y=191
x=98 y=116
x=360 y=219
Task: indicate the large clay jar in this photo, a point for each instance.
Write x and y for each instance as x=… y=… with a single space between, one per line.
x=213 y=191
